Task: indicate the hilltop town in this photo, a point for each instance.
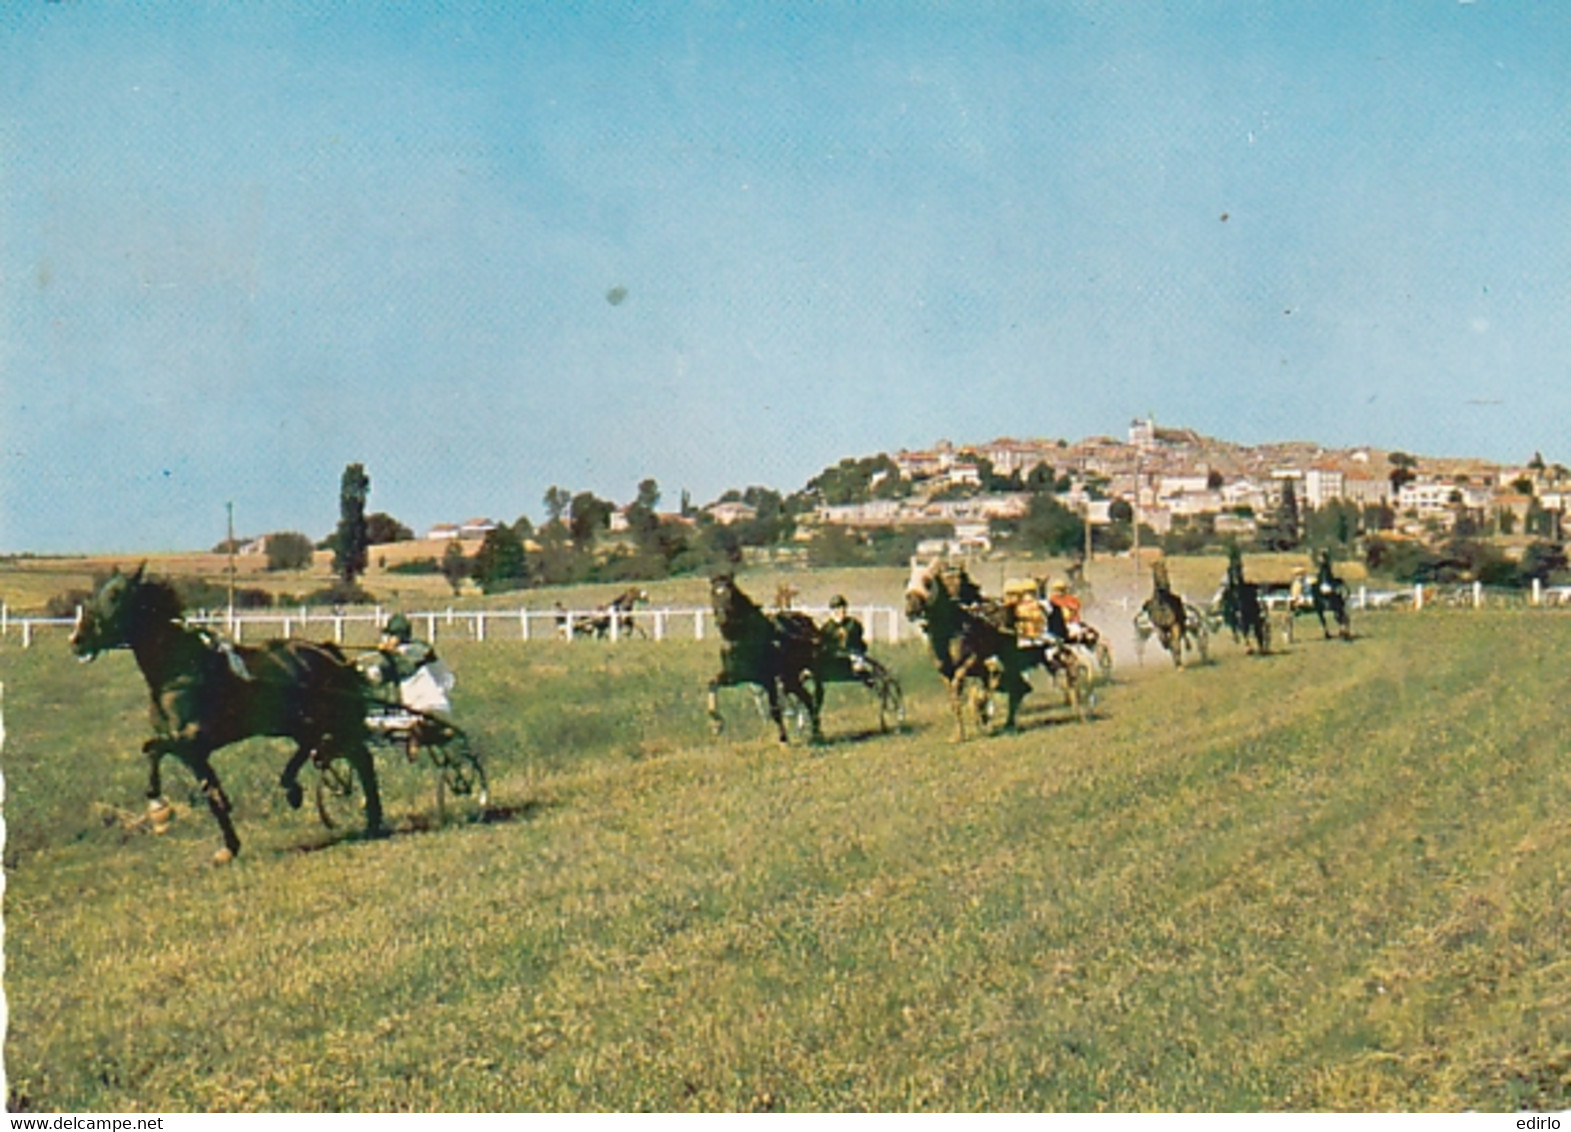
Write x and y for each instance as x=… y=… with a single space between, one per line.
x=1157 y=487
x=1175 y=477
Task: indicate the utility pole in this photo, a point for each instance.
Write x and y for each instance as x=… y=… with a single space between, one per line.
x=1135 y=513
x=230 y=546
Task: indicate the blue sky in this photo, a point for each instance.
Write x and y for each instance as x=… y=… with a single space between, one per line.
x=242 y=245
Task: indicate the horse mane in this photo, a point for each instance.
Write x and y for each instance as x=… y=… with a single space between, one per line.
x=158 y=600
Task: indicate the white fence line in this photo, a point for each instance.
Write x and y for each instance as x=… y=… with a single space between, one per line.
x=882 y=622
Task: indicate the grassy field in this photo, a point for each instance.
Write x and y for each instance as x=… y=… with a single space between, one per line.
x=1338 y=877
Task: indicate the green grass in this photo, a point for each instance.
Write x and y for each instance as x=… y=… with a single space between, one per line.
x=1333 y=878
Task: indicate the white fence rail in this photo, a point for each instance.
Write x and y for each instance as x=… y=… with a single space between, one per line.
x=882 y=622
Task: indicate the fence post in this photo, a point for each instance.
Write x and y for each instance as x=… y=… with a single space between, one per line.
x=1538 y=593
x=698 y=625
x=479 y=626
x=616 y=625
x=5 y=616
x=27 y=634
x=567 y=626
x=523 y=624
x=1418 y=595
x=338 y=629
x=287 y=626
x=236 y=629
x=1478 y=594
x=430 y=625
x=659 y=624
x=1363 y=598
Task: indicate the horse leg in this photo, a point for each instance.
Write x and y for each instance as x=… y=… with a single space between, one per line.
x=815 y=707
x=365 y=766
x=158 y=810
x=290 y=779
x=957 y=682
x=716 y=721
x=772 y=690
x=217 y=801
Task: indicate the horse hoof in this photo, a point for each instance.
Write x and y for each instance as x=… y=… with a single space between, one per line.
x=294 y=794
x=223 y=856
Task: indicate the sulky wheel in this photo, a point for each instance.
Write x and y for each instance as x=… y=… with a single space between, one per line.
x=339 y=802
x=1104 y=661
x=461 y=788
x=891 y=701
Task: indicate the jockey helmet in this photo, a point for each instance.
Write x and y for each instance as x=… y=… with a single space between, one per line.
x=838 y=602
x=398 y=626
x=1059 y=586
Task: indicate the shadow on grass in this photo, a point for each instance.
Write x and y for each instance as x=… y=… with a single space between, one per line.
x=415 y=824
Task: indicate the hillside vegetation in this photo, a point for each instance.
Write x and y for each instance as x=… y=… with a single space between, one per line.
x=1332 y=878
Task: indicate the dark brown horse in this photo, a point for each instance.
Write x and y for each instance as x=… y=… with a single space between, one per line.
x=206 y=695
x=973 y=652
x=776 y=653
x=1330 y=596
x=1242 y=610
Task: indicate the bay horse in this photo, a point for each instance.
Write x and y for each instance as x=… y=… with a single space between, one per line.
x=206 y=695
x=1242 y=610
x=1167 y=614
x=619 y=610
x=776 y=653
x=969 y=648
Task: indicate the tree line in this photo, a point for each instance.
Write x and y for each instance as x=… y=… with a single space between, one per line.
x=576 y=541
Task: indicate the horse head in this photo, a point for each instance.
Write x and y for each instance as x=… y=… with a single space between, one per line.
x=1159 y=578
x=109 y=617
x=919 y=590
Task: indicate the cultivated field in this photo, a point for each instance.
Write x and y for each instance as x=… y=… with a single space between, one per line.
x=1338 y=877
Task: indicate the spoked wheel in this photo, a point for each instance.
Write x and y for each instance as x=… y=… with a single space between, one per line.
x=891 y=700
x=339 y=801
x=461 y=788
x=1082 y=688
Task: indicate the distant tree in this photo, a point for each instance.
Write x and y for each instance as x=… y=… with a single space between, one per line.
x=587 y=516
x=455 y=567
x=1214 y=480
x=1542 y=559
x=643 y=522
x=1402 y=470
x=1282 y=530
x=1336 y=521
x=836 y=545
x=351 y=546
x=500 y=563
x=851 y=480
x=557 y=500
x=523 y=527
x=1523 y=485
x=1050 y=526
x=1040 y=479
x=288 y=550
x=382 y=528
